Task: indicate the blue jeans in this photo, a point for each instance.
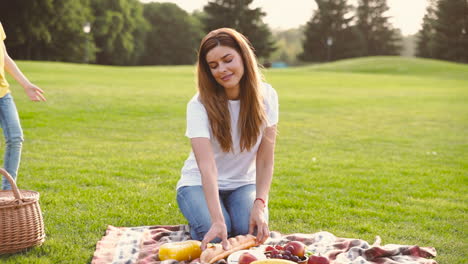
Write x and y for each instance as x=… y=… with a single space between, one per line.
x=235 y=204
x=9 y=120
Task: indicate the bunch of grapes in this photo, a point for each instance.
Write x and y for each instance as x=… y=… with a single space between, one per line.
x=279 y=252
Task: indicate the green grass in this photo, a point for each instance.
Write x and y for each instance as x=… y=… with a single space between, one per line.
x=366 y=147
x=396 y=66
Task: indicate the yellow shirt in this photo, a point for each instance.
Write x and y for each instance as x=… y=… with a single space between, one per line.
x=3 y=81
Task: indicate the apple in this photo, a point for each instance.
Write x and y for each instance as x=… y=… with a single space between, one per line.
x=296 y=248
x=317 y=260
x=246 y=258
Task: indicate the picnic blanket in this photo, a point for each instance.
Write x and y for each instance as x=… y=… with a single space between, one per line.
x=140 y=245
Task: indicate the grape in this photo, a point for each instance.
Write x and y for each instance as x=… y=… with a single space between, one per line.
x=286 y=257
x=295 y=258
x=287 y=252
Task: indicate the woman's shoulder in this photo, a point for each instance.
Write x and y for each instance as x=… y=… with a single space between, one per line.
x=269 y=93
x=195 y=103
x=270 y=99
x=266 y=86
x=195 y=100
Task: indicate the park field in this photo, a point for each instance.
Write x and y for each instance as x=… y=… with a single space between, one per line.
x=365 y=147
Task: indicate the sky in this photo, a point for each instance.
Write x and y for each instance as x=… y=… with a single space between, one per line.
x=284 y=14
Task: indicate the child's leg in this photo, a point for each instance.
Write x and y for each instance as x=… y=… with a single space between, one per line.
x=9 y=120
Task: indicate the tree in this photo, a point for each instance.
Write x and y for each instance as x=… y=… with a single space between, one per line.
x=451 y=30
x=69 y=41
x=379 y=37
x=425 y=42
x=47 y=29
x=289 y=43
x=328 y=35
x=174 y=35
x=26 y=37
x=119 y=29
x=237 y=14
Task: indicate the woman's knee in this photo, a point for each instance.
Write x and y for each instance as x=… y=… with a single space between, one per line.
x=192 y=204
x=239 y=205
x=198 y=231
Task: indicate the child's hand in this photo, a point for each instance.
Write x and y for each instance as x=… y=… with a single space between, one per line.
x=34 y=93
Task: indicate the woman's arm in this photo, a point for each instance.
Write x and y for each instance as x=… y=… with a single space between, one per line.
x=207 y=166
x=34 y=93
x=264 y=164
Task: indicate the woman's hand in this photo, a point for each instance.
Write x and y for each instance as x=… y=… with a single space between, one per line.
x=257 y=219
x=216 y=230
x=34 y=93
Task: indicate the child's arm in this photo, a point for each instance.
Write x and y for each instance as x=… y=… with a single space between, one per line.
x=33 y=92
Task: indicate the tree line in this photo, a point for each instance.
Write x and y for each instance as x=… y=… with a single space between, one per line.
x=129 y=32
x=123 y=32
x=112 y=32
x=339 y=30
x=444 y=32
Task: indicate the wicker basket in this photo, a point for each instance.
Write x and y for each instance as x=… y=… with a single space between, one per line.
x=21 y=223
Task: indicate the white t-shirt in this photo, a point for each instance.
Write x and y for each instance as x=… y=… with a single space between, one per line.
x=236 y=168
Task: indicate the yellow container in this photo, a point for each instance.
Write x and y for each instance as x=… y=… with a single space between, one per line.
x=180 y=251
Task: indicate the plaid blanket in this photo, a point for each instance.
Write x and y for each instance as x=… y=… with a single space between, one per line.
x=128 y=245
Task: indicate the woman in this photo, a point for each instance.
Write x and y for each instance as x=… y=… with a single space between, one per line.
x=231 y=122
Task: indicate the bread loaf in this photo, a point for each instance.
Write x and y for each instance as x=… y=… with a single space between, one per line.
x=215 y=252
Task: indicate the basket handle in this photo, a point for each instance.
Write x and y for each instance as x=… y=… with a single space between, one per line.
x=14 y=187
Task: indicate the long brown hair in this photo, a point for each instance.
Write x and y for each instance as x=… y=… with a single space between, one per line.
x=252 y=114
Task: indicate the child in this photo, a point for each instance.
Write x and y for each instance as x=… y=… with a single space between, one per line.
x=9 y=119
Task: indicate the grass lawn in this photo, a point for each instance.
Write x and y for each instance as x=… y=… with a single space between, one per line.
x=366 y=147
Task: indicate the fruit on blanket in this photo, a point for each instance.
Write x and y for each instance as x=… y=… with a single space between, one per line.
x=273 y=261
x=180 y=251
x=313 y=259
x=269 y=248
x=293 y=250
x=296 y=248
x=246 y=258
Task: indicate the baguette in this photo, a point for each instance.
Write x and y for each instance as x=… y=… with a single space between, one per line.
x=216 y=252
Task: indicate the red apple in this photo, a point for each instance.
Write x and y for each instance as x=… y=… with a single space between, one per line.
x=317 y=260
x=296 y=248
x=246 y=258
